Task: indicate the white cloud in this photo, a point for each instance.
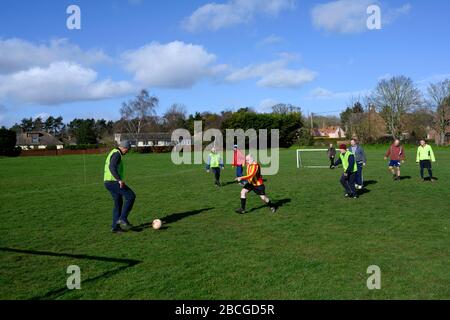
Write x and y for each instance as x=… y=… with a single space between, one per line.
x=385 y=76
x=275 y=74
x=394 y=13
x=255 y=71
x=270 y=40
x=59 y=83
x=325 y=94
x=434 y=78
x=17 y=54
x=322 y=93
x=43 y=115
x=267 y=104
x=172 y=65
x=423 y=83
x=215 y=16
x=350 y=16
x=285 y=78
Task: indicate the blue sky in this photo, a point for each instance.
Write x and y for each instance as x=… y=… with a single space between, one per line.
x=211 y=56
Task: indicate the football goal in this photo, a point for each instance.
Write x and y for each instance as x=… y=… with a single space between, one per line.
x=312 y=158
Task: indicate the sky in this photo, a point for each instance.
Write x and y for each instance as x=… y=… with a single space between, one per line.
x=211 y=56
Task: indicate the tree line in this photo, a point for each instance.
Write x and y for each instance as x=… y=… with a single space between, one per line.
x=395 y=108
x=138 y=116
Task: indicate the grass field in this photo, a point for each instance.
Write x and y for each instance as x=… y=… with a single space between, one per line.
x=55 y=212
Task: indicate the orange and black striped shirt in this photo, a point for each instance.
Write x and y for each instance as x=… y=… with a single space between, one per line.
x=254 y=176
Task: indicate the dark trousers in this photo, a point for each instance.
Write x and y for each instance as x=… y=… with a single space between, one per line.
x=348 y=182
x=239 y=171
x=216 y=172
x=121 y=210
x=426 y=164
x=359 y=174
x=331 y=162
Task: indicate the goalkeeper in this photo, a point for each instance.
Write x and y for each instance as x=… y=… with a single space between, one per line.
x=254 y=182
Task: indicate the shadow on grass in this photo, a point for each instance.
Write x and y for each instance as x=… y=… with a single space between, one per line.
x=370 y=182
x=278 y=204
x=237 y=183
x=405 y=177
x=230 y=182
x=362 y=191
x=53 y=294
x=170 y=219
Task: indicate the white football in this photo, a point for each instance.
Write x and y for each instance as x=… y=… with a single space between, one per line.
x=156 y=224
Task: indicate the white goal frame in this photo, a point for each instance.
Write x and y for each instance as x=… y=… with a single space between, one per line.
x=299 y=158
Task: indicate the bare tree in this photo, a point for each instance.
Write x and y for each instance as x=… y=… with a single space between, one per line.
x=393 y=98
x=175 y=117
x=138 y=112
x=283 y=108
x=439 y=94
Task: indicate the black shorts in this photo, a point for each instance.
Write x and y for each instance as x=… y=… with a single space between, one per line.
x=259 y=190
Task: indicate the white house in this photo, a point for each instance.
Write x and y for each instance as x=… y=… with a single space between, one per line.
x=160 y=139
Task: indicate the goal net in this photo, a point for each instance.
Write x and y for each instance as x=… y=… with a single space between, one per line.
x=312 y=158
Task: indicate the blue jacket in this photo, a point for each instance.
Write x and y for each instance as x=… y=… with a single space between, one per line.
x=360 y=155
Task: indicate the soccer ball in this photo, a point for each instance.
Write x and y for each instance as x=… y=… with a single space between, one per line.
x=156 y=224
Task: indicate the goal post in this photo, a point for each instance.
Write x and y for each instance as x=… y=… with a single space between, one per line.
x=312 y=158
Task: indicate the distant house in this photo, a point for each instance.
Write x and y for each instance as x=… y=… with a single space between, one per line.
x=37 y=140
x=161 y=139
x=329 y=132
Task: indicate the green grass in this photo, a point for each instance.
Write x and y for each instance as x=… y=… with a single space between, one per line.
x=318 y=246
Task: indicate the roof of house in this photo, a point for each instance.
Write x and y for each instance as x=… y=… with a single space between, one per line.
x=160 y=136
x=44 y=139
x=330 y=129
x=327 y=131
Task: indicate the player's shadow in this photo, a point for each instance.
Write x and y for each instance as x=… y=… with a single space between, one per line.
x=172 y=218
x=277 y=204
x=362 y=191
x=224 y=184
x=369 y=182
x=55 y=293
x=405 y=177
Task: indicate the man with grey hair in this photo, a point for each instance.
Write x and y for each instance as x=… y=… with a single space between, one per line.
x=114 y=183
x=254 y=182
x=396 y=157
